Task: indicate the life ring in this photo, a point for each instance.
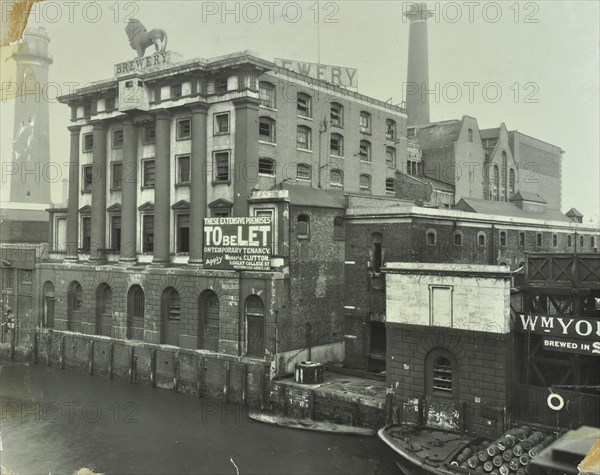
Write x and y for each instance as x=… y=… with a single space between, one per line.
x=558 y=405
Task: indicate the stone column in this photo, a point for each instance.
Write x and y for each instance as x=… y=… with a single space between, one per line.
x=98 y=238
x=162 y=189
x=129 y=193
x=73 y=203
x=246 y=153
x=199 y=183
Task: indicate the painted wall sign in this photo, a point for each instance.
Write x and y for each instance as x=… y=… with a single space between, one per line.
x=238 y=243
x=341 y=76
x=580 y=347
x=552 y=325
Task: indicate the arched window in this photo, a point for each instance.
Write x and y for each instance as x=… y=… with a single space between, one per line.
x=267 y=94
x=103 y=310
x=304 y=105
x=504 y=191
x=496 y=183
x=481 y=238
x=555 y=240
x=580 y=241
x=304 y=138
x=390 y=129
x=48 y=305
x=338 y=227
x=592 y=241
x=569 y=241
x=441 y=373
x=135 y=313
x=266 y=166
x=266 y=129
x=431 y=237
x=364 y=183
x=303 y=227
x=336 y=178
x=390 y=157
x=365 y=122
x=503 y=238
x=470 y=135
x=539 y=239
x=522 y=239
x=336 y=145
x=365 y=151
x=511 y=182
x=255 y=326
x=303 y=172
x=170 y=316
x=208 y=321
x=74 y=306
x=390 y=185
x=337 y=114
x=458 y=238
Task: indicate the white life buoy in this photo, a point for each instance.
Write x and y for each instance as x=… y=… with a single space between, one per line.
x=555 y=402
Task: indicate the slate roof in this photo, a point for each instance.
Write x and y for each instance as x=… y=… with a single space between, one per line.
x=574 y=212
x=438 y=135
x=507 y=209
x=314 y=197
x=527 y=196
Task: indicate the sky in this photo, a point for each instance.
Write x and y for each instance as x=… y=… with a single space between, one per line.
x=532 y=65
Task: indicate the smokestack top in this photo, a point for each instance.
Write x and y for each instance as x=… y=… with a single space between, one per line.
x=418 y=12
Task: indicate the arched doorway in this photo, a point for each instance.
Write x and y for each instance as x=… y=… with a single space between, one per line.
x=171 y=315
x=103 y=310
x=208 y=321
x=48 y=305
x=255 y=326
x=74 y=306
x=135 y=313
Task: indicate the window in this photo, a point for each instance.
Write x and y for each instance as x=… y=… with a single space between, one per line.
x=458 y=238
x=148 y=173
x=135 y=313
x=303 y=227
x=222 y=124
x=86 y=233
x=481 y=238
x=336 y=178
x=539 y=239
x=569 y=241
x=365 y=151
x=255 y=326
x=115 y=233
x=390 y=129
x=337 y=114
x=495 y=184
x=104 y=308
x=338 y=228
x=74 y=306
x=431 y=237
x=336 y=145
x=109 y=103
x=390 y=185
x=390 y=157
x=554 y=240
x=522 y=239
x=364 y=183
x=184 y=129
x=303 y=140
x=376 y=252
x=149 y=135
x=266 y=166
x=87 y=179
x=442 y=375
x=581 y=241
x=183 y=169
x=172 y=304
x=503 y=238
x=208 y=321
x=88 y=142
x=470 y=135
x=221 y=166
x=303 y=172
x=267 y=94
x=87 y=109
x=592 y=241
x=511 y=181
x=183 y=232
x=365 y=122
x=221 y=86
x=117 y=138
x=175 y=91
x=116 y=170
x=304 y=105
x=148 y=233
x=411 y=133
x=266 y=129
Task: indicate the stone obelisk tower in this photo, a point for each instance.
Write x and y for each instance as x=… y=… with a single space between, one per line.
x=30 y=181
x=417 y=101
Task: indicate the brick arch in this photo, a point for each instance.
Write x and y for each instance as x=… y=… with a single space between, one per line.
x=170 y=281
x=103 y=278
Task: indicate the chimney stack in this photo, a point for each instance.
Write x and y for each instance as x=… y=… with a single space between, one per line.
x=417 y=81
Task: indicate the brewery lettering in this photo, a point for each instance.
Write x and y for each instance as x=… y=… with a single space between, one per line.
x=141 y=63
x=560 y=326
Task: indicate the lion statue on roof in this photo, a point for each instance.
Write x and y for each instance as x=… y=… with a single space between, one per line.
x=140 y=38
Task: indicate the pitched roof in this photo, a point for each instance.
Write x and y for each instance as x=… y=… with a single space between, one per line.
x=527 y=196
x=489 y=133
x=502 y=208
x=439 y=134
x=314 y=197
x=574 y=212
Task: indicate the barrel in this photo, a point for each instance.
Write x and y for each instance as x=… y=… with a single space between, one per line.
x=472 y=462
x=309 y=372
x=482 y=455
x=524 y=459
x=507 y=455
x=504 y=469
x=498 y=460
x=506 y=442
x=492 y=449
x=517 y=449
x=521 y=471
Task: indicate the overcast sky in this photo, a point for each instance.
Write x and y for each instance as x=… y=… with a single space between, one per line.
x=542 y=57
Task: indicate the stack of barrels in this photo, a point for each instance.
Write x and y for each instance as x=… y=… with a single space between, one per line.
x=508 y=455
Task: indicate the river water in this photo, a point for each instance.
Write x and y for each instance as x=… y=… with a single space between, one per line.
x=64 y=421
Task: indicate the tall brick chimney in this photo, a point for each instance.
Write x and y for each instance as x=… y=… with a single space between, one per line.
x=417 y=81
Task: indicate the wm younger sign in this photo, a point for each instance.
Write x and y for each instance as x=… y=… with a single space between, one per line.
x=238 y=243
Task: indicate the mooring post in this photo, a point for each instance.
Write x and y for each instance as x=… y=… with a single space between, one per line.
x=131 y=357
x=153 y=368
x=176 y=376
x=110 y=361
x=35 y=347
x=61 y=355
x=227 y=376
x=244 y=383
x=48 y=348
x=90 y=356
